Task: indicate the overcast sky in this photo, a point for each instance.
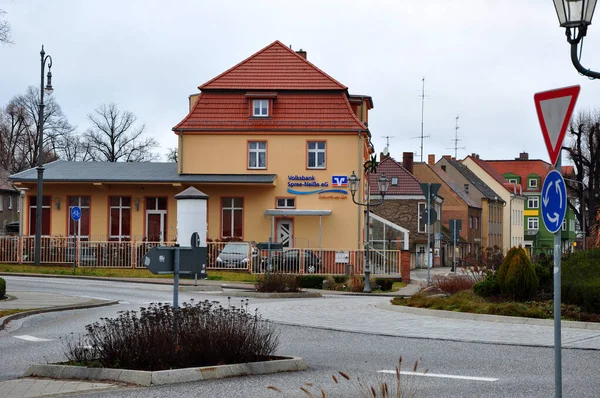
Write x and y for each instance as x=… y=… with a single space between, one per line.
x=482 y=60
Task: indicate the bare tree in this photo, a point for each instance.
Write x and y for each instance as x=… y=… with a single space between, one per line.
x=19 y=122
x=114 y=137
x=4 y=29
x=172 y=155
x=583 y=149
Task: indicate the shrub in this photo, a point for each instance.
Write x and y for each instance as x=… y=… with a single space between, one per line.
x=309 y=281
x=451 y=283
x=278 y=282
x=581 y=280
x=503 y=270
x=384 y=283
x=543 y=269
x=2 y=288
x=201 y=334
x=487 y=287
x=521 y=282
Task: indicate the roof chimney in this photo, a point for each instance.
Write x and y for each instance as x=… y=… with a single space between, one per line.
x=523 y=156
x=431 y=159
x=383 y=155
x=407 y=161
x=301 y=53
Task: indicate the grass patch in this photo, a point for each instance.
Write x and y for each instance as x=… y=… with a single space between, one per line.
x=397 y=286
x=467 y=301
x=116 y=272
x=4 y=313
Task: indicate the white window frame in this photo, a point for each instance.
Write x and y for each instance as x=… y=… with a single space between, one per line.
x=533 y=223
x=535 y=200
x=262 y=105
x=394 y=181
x=231 y=208
x=532 y=183
x=316 y=151
x=120 y=207
x=254 y=151
x=512 y=180
x=81 y=206
x=564 y=225
x=288 y=203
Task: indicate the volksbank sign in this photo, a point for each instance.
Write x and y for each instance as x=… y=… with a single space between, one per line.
x=309 y=181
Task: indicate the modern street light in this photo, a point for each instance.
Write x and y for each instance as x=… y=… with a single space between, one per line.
x=576 y=15
x=383 y=182
x=40 y=163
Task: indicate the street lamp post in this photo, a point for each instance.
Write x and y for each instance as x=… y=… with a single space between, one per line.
x=40 y=162
x=576 y=15
x=383 y=182
x=582 y=204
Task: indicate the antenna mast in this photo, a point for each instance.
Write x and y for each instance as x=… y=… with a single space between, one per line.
x=422 y=96
x=456 y=139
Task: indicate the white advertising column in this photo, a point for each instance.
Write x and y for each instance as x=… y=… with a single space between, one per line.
x=191 y=216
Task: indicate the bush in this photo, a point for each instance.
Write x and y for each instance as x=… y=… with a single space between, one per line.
x=451 y=283
x=543 y=269
x=384 y=283
x=201 y=334
x=580 y=280
x=278 y=282
x=487 y=287
x=312 y=281
x=503 y=270
x=2 y=288
x=521 y=282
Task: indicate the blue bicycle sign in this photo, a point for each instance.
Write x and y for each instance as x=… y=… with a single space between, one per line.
x=75 y=213
x=554 y=201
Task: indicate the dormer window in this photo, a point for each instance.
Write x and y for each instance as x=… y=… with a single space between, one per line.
x=260 y=108
x=533 y=183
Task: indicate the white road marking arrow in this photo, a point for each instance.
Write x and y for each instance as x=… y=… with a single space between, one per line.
x=554 y=219
x=440 y=375
x=559 y=192
x=546 y=197
x=31 y=338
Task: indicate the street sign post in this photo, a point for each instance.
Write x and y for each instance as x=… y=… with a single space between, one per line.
x=455 y=230
x=554 y=109
x=430 y=191
x=554 y=201
x=76 y=216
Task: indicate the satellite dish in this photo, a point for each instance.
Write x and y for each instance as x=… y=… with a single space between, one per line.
x=385 y=151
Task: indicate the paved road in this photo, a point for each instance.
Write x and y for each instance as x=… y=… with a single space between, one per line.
x=361 y=335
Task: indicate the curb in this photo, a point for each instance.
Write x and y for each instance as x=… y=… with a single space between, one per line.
x=272 y=295
x=163 y=377
x=487 y=317
x=87 y=304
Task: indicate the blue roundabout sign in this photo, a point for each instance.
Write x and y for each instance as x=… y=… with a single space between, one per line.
x=554 y=201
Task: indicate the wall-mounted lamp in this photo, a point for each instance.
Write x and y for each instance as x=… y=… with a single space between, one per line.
x=136 y=202
x=57 y=203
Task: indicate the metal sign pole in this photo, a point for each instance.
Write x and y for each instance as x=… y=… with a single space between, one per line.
x=454 y=251
x=428 y=231
x=557 y=302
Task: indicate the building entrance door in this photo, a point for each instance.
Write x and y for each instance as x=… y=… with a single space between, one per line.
x=155 y=225
x=285 y=231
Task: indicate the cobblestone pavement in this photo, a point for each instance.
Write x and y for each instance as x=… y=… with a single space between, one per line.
x=377 y=315
x=32 y=387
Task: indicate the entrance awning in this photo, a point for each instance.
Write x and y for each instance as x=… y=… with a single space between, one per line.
x=298 y=212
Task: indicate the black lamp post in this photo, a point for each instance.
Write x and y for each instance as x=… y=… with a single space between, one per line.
x=576 y=15
x=383 y=182
x=40 y=145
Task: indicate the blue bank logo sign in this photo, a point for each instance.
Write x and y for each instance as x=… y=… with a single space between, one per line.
x=554 y=201
x=339 y=181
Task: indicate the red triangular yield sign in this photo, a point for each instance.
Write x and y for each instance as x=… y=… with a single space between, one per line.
x=554 y=109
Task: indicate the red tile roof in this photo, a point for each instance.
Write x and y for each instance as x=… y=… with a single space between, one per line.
x=522 y=168
x=407 y=183
x=512 y=187
x=275 y=67
x=328 y=111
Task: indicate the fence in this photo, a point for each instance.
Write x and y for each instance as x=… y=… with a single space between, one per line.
x=242 y=256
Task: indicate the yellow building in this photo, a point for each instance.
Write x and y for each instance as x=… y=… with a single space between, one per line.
x=271 y=141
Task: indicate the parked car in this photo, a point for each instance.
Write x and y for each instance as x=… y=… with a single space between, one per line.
x=237 y=255
x=12 y=228
x=290 y=260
